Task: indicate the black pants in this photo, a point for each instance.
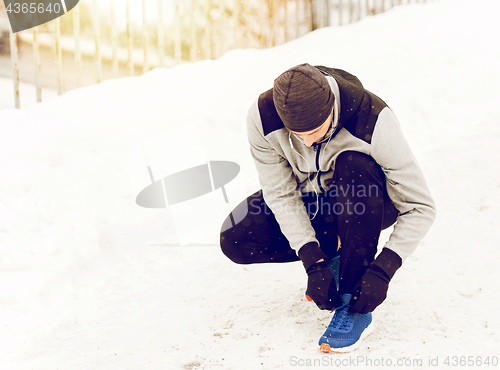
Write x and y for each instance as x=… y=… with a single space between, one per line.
x=356 y=208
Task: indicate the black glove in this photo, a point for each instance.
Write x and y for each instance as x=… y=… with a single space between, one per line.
x=371 y=289
x=321 y=285
x=322 y=288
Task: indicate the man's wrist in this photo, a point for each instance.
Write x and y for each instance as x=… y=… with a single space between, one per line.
x=310 y=254
x=388 y=262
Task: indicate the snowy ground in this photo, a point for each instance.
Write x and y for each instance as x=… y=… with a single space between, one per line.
x=90 y=280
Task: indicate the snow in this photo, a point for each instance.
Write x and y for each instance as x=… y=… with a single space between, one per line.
x=90 y=280
x=27 y=92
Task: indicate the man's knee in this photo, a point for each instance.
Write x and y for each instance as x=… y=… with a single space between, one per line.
x=359 y=183
x=231 y=249
x=355 y=163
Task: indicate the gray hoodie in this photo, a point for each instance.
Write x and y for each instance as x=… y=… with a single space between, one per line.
x=362 y=122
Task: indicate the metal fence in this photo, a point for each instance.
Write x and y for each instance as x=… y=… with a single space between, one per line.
x=139 y=35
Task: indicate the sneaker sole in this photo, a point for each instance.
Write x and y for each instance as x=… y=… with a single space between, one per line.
x=325 y=347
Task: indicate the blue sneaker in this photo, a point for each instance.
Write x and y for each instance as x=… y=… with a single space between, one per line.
x=346 y=330
x=333 y=264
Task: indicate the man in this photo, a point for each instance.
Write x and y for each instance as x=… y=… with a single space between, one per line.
x=335 y=170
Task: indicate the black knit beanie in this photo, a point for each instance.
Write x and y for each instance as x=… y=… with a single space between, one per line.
x=303 y=98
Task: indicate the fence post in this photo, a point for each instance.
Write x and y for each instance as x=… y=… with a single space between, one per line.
x=145 y=62
x=15 y=67
x=308 y=13
x=327 y=15
x=161 y=34
x=244 y=29
x=285 y=7
x=114 y=39
x=177 y=33
x=97 y=42
x=236 y=18
x=273 y=20
x=316 y=15
x=60 y=81
x=297 y=19
x=78 y=53
x=38 y=65
x=340 y=12
x=262 y=44
x=208 y=32
x=130 y=44
x=193 y=45
x=247 y=11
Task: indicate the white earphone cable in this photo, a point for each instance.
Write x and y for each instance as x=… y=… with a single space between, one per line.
x=308 y=175
x=308 y=169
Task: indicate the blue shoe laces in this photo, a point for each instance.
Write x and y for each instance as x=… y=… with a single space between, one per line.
x=342 y=319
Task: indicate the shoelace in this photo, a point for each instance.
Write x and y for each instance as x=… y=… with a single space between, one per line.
x=341 y=318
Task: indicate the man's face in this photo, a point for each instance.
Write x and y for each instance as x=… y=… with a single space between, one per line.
x=316 y=135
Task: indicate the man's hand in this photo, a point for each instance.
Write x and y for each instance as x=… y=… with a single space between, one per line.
x=371 y=289
x=321 y=286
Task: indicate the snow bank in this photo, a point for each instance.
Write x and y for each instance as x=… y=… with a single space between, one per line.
x=90 y=280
